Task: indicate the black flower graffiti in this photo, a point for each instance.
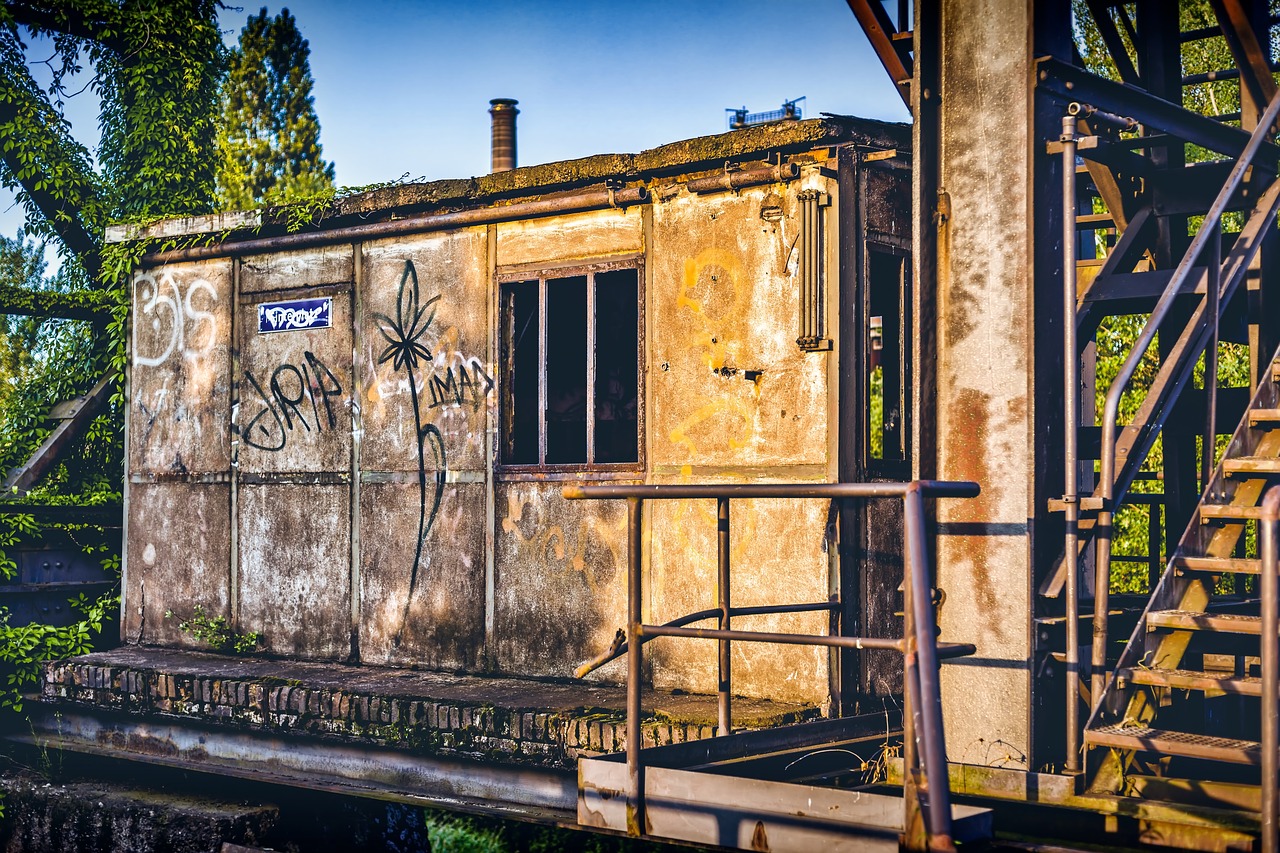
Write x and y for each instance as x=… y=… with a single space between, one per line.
x=406 y=350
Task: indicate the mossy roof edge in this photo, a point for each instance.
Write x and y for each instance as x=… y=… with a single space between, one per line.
x=684 y=156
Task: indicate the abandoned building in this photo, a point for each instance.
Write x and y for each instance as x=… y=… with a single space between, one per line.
x=488 y=468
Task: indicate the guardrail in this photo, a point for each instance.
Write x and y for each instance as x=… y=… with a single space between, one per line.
x=924 y=749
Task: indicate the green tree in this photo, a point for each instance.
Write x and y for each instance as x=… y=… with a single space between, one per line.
x=269 y=141
x=155 y=66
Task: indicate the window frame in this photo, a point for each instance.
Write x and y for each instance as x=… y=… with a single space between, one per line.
x=542 y=272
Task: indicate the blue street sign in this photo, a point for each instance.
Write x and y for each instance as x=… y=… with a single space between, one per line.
x=294 y=315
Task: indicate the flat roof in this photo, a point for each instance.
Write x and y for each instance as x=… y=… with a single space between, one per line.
x=687 y=156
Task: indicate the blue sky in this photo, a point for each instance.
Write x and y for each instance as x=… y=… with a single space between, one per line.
x=403 y=87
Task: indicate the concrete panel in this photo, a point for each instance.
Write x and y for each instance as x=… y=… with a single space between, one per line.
x=577 y=236
x=295 y=392
x=561 y=580
x=778 y=556
x=984 y=374
x=294 y=572
x=179 y=556
x=453 y=385
x=727 y=384
x=443 y=626
x=180 y=388
x=314 y=267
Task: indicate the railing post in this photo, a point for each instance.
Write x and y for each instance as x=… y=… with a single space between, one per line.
x=1270 y=653
x=914 y=837
x=635 y=668
x=1071 y=422
x=933 y=741
x=725 y=709
x=1213 y=278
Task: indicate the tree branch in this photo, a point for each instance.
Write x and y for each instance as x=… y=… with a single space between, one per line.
x=55 y=17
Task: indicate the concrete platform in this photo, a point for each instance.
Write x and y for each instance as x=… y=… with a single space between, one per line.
x=495 y=720
x=498 y=746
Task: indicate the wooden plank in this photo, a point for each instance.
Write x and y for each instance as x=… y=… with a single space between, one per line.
x=63 y=437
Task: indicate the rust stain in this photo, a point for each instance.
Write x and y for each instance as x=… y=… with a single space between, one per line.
x=759 y=838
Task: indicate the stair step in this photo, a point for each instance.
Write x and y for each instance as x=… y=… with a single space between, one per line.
x=1182 y=744
x=1187 y=679
x=1264 y=417
x=1229 y=512
x=1256 y=465
x=1194 y=620
x=1217 y=565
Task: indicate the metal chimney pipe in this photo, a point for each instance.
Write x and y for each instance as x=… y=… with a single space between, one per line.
x=504 y=114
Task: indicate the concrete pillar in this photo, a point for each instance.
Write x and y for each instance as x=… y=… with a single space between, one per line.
x=984 y=412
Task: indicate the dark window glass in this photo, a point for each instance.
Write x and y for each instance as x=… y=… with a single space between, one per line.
x=567 y=370
x=523 y=367
x=617 y=434
x=571 y=370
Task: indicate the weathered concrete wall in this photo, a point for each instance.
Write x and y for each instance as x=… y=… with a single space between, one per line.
x=426 y=436
x=178 y=549
x=371 y=519
x=984 y=375
x=733 y=399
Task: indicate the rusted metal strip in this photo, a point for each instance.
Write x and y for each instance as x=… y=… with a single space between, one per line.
x=879 y=30
x=577 y=203
x=736 y=180
x=1254 y=63
x=930 y=488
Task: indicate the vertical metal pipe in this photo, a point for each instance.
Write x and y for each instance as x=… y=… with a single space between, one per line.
x=913 y=833
x=1270 y=653
x=812 y=277
x=1071 y=422
x=1213 y=285
x=933 y=743
x=802 y=309
x=724 y=595
x=635 y=668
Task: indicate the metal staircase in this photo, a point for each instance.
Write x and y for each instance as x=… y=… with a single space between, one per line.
x=1186 y=687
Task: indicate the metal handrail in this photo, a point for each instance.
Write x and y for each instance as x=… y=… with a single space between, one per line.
x=1269 y=650
x=919 y=645
x=1209 y=230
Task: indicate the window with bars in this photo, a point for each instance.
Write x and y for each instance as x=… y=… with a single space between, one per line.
x=571 y=368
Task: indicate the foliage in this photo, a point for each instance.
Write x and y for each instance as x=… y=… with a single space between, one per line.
x=450 y=832
x=218 y=633
x=269 y=141
x=23 y=648
x=155 y=67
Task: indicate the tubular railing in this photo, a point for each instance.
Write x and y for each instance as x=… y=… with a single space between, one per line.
x=924 y=747
x=1269 y=650
x=1200 y=333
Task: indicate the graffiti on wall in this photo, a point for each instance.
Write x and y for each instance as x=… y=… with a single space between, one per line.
x=166 y=304
x=407 y=352
x=296 y=397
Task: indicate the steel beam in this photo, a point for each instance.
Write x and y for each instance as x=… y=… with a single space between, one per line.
x=1068 y=83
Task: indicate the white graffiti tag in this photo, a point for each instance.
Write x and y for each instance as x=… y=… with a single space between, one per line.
x=164 y=303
